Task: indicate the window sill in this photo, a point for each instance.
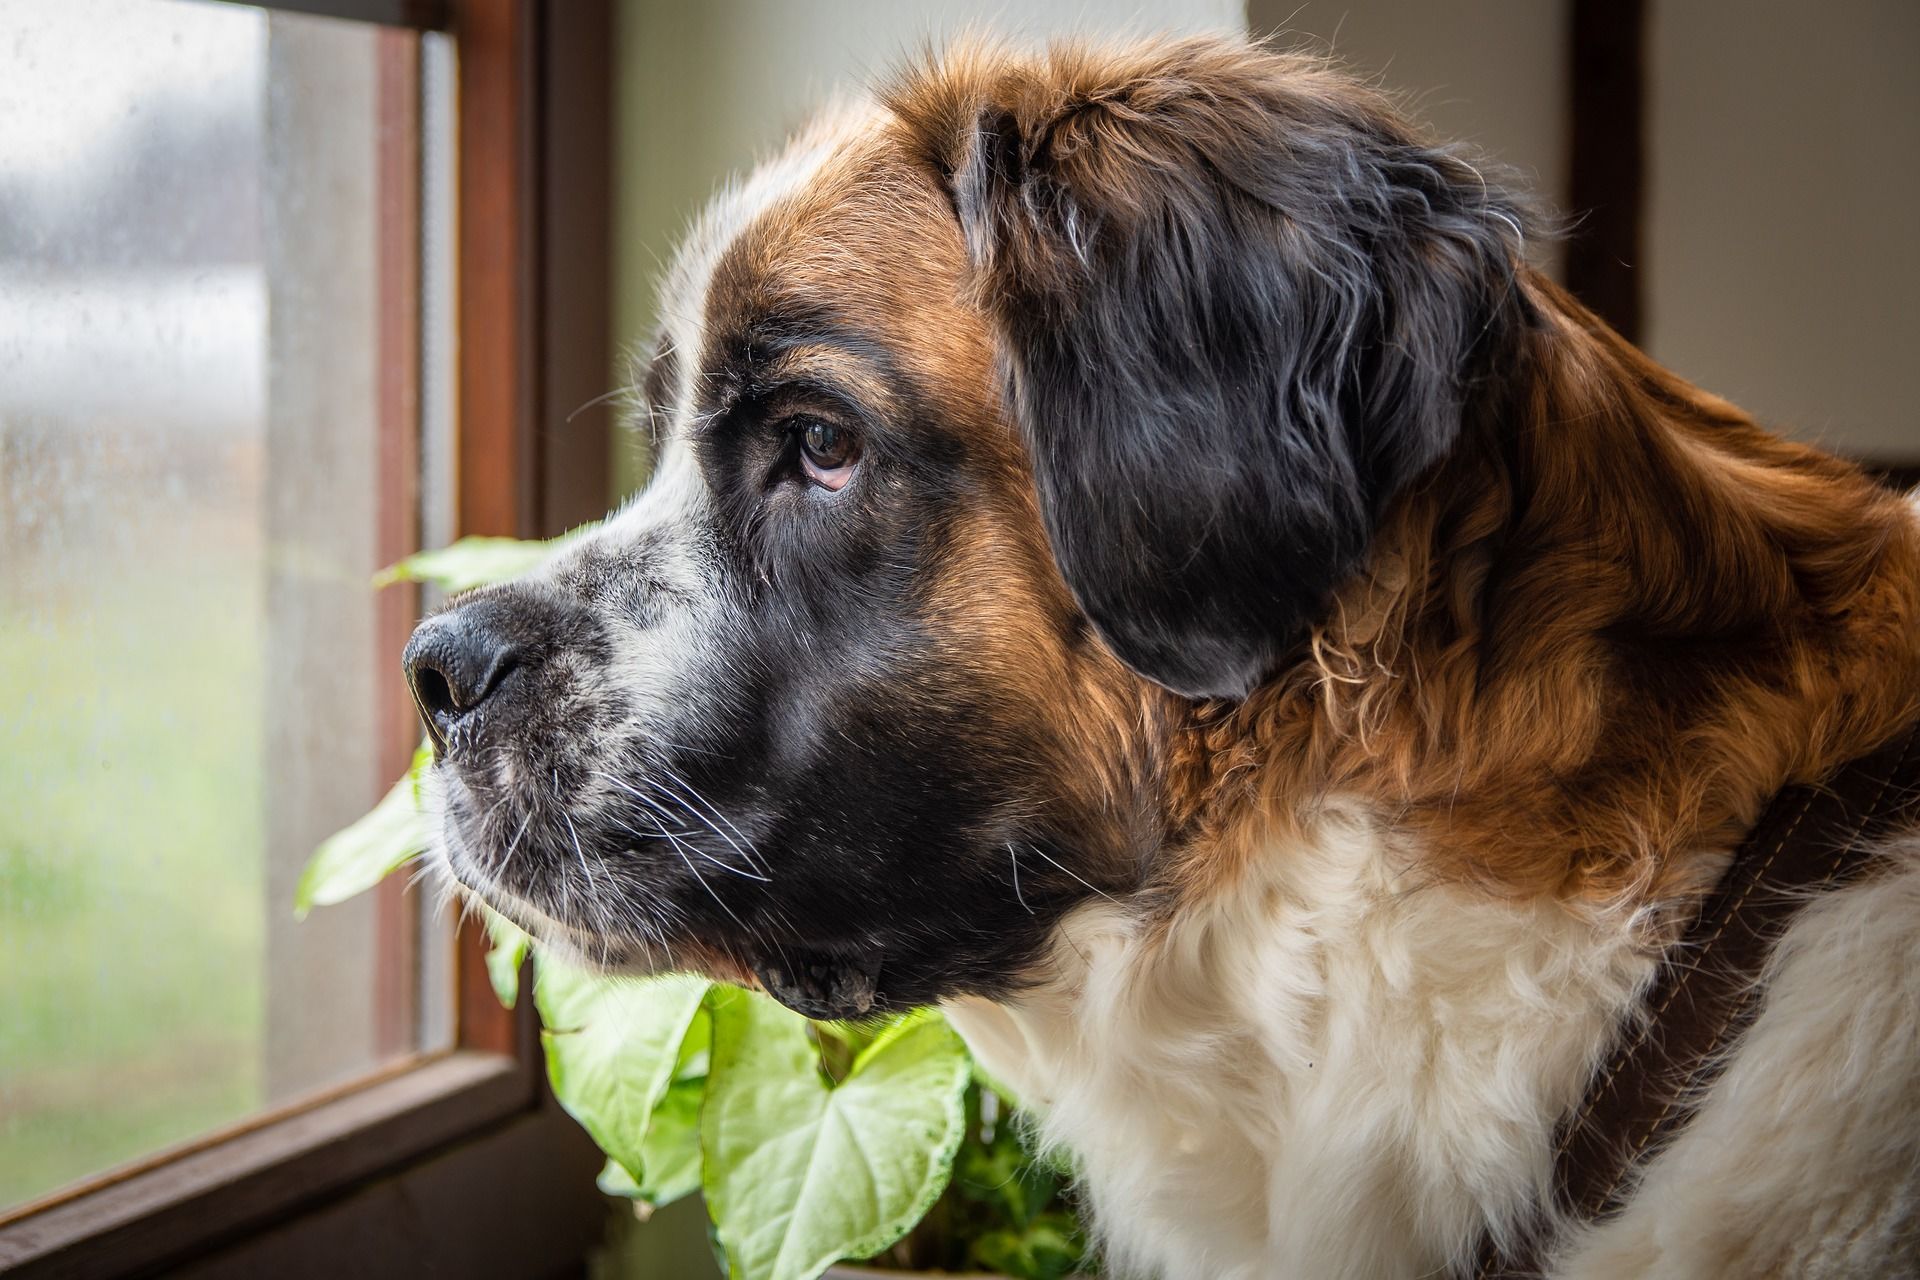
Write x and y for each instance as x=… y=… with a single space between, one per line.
x=173 y=1206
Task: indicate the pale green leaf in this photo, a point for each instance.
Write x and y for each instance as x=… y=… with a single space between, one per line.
x=671 y=1151
x=505 y=956
x=670 y=1156
x=614 y=1180
x=800 y=1174
x=612 y=1048
x=475 y=562
x=417 y=771
x=695 y=1049
x=354 y=860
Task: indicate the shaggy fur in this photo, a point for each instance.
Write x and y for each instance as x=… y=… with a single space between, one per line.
x=1278 y=669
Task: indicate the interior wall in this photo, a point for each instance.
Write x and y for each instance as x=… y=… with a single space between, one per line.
x=704 y=89
x=1780 y=254
x=1489 y=73
x=1782 y=243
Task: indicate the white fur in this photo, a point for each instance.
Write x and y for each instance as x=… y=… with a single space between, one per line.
x=1338 y=1071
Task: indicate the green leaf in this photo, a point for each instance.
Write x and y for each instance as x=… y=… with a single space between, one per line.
x=800 y=1174
x=612 y=1048
x=670 y=1155
x=1049 y=1248
x=614 y=1180
x=505 y=956
x=694 y=1050
x=354 y=860
x=476 y=562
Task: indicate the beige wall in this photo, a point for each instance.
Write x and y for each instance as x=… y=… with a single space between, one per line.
x=1485 y=72
x=1783 y=219
x=1782 y=243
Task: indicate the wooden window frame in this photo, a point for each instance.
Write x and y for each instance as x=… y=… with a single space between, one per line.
x=337 y=1182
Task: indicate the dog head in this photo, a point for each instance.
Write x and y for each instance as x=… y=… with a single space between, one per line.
x=999 y=421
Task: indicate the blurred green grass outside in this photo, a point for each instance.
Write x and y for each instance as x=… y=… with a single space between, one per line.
x=132 y=919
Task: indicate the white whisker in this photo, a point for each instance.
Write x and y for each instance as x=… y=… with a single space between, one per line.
x=694 y=793
x=709 y=888
x=660 y=814
x=1070 y=871
x=1015 y=856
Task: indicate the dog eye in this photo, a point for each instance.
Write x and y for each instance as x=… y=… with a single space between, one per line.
x=827 y=452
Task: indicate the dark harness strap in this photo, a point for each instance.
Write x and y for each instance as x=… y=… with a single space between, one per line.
x=1811 y=839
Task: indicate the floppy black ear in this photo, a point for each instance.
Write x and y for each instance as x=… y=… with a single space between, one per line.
x=1238 y=304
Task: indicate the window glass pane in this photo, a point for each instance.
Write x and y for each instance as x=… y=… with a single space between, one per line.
x=208 y=443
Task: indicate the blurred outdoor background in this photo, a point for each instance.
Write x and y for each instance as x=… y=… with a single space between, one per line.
x=187 y=492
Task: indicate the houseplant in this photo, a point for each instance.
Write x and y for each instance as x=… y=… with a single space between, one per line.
x=812 y=1142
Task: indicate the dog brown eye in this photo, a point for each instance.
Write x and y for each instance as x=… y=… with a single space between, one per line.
x=827 y=453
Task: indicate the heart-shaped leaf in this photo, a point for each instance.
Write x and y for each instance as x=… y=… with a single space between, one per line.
x=505 y=956
x=612 y=1047
x=671 y=1154
x=476 y=561
x=356 y=859
x=801 y=1173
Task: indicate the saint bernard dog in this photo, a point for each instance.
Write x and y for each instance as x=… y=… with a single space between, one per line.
x=1136 y=557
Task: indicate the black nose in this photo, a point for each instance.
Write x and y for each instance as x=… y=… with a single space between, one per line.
x=455 y=662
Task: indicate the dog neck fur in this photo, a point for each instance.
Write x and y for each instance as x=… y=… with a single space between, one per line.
x=1336 y=1065
x=1594 y=641
x=1414 y=885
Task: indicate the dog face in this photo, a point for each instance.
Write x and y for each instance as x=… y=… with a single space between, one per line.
x=997 y=423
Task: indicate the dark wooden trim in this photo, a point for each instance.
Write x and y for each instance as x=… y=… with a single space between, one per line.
x=497 y=268
x=173 y=1205
x=576 y=421
x=482 y=1025
x=419 y=15
x=535 y=313
x=498 y=377
x=506 y=1204
x=1606 y=160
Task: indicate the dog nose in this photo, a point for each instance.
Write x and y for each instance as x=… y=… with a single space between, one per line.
x=454 y=663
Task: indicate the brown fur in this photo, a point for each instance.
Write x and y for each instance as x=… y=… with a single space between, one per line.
x=1593 y=643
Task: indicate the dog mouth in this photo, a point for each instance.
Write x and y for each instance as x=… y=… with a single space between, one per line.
x=821 y=985
x=824 y=984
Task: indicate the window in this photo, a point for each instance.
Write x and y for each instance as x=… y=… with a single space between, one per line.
x=262 y=331
x=210 y=438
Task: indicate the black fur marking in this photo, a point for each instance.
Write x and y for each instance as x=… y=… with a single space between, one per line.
x=1239 y=316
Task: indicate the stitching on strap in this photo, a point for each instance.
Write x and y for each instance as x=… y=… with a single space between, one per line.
x=1625 y=1054
x=1493 y=1262
x=1842 y=848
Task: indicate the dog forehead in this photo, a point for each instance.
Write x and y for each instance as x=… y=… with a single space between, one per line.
x=842 y=233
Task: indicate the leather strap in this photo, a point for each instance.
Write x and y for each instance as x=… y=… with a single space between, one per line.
x=1811 y=839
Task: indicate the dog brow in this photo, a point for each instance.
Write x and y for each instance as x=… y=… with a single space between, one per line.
x=837 y=367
